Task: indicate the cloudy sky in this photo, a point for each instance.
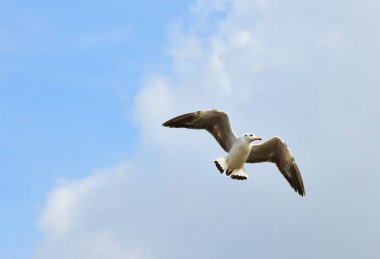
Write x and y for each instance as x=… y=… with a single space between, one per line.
x=87 y=170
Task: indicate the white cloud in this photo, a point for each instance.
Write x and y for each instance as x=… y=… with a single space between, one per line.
x=277 y=66
x=64 y=203
x=202 y=9
x=73 y=222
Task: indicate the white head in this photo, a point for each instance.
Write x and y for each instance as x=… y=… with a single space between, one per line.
x=249 y=137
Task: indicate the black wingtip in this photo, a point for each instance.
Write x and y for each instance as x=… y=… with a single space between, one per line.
x=238 y=177
x=219 y=167
x=170 y=123
x=301 y=192
x=181 y=121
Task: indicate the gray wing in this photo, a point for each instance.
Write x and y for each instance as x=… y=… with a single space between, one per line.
x=276 y=151
x=214 y=121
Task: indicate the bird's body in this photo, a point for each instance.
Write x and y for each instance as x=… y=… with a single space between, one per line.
x=241 y=150
x=236 y=158
x=238 y=154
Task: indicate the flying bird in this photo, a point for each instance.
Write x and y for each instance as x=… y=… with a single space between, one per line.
x=241 y=150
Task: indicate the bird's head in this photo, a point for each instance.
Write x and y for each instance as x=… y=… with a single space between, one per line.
x=250 y=137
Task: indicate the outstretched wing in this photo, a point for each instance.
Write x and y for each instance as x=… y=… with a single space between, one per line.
x=214 y=121
x=276 y=151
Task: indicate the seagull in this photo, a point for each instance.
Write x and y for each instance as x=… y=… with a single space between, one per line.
x=241 y=150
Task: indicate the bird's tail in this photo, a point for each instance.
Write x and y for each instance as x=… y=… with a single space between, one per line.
x=221 y=164
x=239 y=174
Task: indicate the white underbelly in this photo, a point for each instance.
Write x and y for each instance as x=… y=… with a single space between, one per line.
x=237 y=156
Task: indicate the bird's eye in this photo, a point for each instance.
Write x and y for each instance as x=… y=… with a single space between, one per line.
x=251 y=135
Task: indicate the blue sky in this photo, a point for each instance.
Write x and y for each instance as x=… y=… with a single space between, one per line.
x=68 y=73
x=87 y=171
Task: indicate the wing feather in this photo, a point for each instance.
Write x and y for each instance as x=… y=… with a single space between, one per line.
x=276 y=151
x=214 y=121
